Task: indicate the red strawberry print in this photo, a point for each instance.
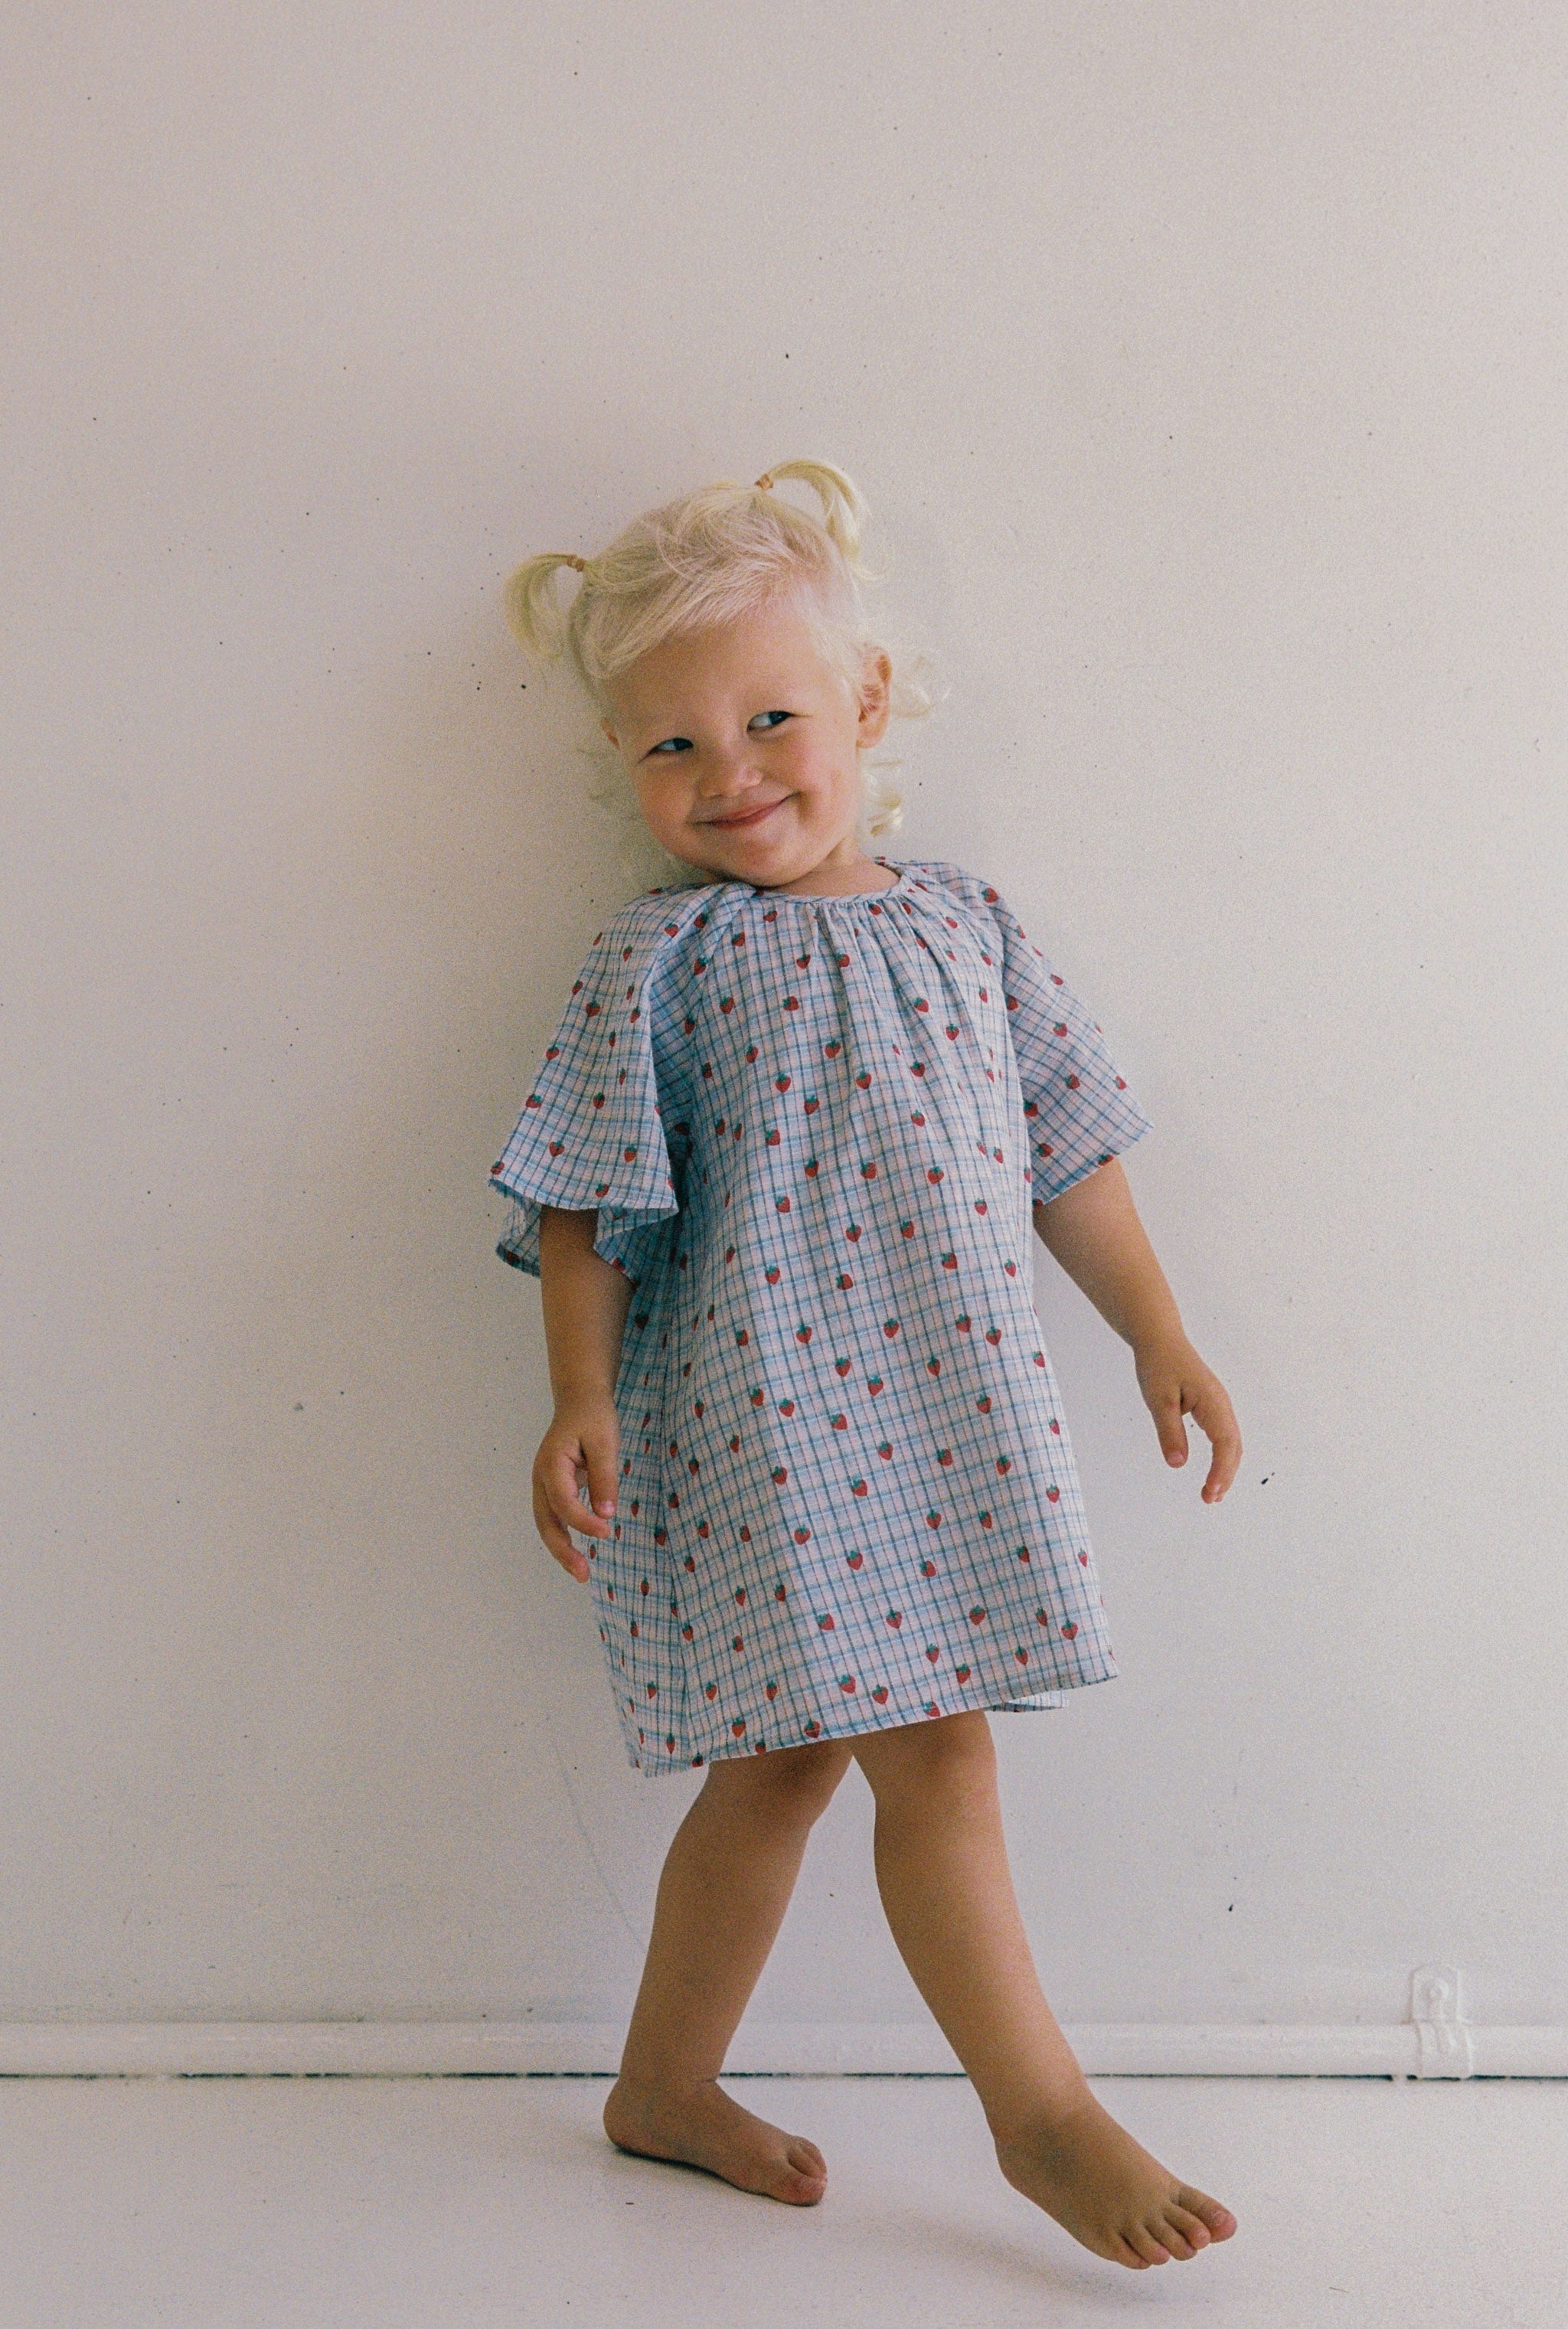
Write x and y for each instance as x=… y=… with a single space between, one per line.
x=787 y=1145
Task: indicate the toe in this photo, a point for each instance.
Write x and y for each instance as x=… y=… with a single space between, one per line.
x=804 y=2179
x=1143 y=2241
x=1219 y=2220
x=1186 y=2226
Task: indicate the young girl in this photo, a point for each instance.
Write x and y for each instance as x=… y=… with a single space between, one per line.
x=775 y=1177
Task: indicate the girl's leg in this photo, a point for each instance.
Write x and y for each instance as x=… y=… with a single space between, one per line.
x=941 y=1866
x=722 y=1898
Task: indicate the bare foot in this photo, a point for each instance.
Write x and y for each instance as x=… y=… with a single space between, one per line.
x=1109 y=2192
x=701 y=2127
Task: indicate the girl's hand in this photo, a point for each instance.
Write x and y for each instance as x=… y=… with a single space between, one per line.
x=1174 y=1382
x=584 y=1437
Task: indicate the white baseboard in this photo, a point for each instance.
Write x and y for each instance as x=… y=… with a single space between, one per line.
x=42 y=2050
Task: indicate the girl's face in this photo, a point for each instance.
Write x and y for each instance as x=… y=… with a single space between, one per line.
x=742 y=743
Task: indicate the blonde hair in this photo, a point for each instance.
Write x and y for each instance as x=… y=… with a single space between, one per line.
x=715 y=555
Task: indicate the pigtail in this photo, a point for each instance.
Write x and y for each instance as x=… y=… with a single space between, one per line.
x=843 y=509
x=532 y=608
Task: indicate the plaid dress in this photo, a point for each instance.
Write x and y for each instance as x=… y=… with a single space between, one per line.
x=813 y=1129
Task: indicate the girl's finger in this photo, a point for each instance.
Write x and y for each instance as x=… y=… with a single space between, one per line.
x=556 y=1542
x=565 y=1499
x=1167 y=1412
x=1220 y=1426
x=601 y=1454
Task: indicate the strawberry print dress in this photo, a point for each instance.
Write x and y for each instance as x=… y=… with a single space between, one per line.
x=813 y=1129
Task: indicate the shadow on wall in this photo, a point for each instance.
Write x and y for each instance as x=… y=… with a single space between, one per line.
x=371 y=1378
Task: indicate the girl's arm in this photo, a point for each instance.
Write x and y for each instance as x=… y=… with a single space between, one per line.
x=1093 y=1230
x=585 y=1303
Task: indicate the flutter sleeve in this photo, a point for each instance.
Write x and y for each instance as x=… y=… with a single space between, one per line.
x=1077 y=1108
x=591 y=1132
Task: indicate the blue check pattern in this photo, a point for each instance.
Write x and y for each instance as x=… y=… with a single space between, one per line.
x=813 y=1129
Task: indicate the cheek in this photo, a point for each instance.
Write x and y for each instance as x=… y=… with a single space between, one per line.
x=663 y=800
x=821 y=773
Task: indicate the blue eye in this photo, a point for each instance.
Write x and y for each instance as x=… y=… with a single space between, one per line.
x=673 y=744
x=771 y=715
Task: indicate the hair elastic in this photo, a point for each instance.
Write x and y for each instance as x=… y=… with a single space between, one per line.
x=765 y=482
x=568 y=560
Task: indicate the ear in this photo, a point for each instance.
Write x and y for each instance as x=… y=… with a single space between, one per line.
x=875 y=700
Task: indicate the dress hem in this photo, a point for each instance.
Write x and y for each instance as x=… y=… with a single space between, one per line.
x=981 y=1698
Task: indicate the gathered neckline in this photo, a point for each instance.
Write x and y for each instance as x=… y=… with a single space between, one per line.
x=825 y=897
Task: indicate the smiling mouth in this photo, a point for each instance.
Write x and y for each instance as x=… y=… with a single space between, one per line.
x=751 y=817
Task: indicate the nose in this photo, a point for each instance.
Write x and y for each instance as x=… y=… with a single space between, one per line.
x=727 y=770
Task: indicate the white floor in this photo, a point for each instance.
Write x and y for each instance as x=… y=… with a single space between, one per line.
x=466 y=2204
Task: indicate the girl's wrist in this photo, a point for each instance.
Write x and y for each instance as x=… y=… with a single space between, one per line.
x=588 y=1392
x=1162 y=1333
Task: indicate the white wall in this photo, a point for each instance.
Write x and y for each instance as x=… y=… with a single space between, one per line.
x=1203 y=364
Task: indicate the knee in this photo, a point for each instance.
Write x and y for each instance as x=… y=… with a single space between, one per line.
x=952 y=1761
x=791 y=1787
